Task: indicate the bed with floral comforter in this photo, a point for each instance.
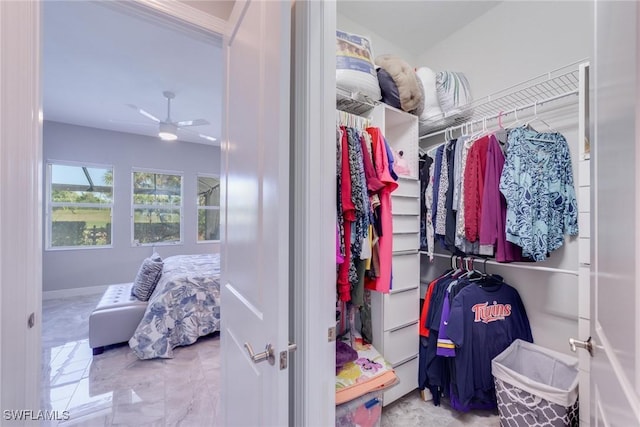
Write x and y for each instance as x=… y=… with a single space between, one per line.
x=184 y=306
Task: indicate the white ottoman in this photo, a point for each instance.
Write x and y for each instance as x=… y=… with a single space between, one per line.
x=115 y=318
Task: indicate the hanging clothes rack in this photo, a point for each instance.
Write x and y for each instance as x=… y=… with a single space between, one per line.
x=547 y=88
x=344 y=118
x=511 y=265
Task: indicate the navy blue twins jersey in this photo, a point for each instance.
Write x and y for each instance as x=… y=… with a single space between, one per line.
x=482 y=323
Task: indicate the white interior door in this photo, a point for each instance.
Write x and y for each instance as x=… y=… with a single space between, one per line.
x=255 y=205
x=615 y=279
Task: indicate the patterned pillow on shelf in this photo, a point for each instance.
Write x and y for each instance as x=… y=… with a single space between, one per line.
x=147 y=278
x=454 y=93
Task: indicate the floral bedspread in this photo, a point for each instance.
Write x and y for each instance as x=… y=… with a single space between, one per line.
x=184 y=306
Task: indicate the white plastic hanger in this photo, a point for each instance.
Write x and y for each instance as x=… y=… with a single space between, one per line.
x=535 y=117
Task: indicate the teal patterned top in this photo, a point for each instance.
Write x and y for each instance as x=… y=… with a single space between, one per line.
x=537 y=183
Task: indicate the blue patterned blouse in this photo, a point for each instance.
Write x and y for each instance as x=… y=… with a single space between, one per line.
x=537 y=183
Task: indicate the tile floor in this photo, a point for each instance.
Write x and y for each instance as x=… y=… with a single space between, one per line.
x=117 y=389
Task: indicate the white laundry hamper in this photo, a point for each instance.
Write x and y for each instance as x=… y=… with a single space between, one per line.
x=536 y=386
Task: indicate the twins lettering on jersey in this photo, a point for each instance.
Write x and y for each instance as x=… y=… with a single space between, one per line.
x=490 y=313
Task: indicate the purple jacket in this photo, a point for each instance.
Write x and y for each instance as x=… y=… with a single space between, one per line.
x=494 y=208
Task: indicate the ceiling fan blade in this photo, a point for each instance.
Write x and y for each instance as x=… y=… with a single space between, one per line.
x=207 y=137
x=145 y=113
x=201 y=135
x=196 y=122
x=129 y=122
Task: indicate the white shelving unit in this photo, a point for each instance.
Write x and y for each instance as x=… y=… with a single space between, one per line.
x=396 y=315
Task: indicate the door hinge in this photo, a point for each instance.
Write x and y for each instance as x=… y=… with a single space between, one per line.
x=332 y=334
x=31 y=321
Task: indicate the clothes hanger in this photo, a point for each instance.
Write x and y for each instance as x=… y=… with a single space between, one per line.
x=535 y=117
x=483 y=131
x=517 y=122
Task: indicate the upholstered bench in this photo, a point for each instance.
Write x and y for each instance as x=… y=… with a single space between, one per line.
x=115 y=318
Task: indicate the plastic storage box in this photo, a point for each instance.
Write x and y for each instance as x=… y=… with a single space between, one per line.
x=365 y=410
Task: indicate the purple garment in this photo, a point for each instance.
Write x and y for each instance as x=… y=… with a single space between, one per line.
x=458 y=406
x=494 y=208
x=444 y=343
x=344 y=354
x=390 y=159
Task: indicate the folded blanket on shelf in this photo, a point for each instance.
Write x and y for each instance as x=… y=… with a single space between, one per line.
x=367 y=373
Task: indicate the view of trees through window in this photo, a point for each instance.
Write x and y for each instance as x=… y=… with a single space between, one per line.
x=157 y=207
x=80 y=205
x=208 y=208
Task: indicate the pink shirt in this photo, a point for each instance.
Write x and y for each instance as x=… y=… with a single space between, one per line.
x=385 y=242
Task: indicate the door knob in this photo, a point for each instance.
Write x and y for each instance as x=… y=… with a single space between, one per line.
x=587 y=345
x=267 y=354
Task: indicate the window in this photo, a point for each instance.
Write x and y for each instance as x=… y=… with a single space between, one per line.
x=80 y=205
x=208 y=208
x=157 y=207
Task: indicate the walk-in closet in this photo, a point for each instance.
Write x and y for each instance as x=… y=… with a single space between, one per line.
x=461 y=94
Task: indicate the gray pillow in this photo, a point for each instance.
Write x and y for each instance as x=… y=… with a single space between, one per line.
x=147 y=277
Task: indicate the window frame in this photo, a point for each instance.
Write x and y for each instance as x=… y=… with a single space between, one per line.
x=50 y=204
x=212 y=208
x=134 y=206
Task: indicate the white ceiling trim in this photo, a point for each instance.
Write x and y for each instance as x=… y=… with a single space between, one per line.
x=181 y=12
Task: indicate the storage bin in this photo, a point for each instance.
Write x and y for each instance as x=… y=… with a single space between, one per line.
x=365 y=410
x=535 y=386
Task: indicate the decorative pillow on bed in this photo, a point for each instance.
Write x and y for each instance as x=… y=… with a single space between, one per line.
x=147 y=277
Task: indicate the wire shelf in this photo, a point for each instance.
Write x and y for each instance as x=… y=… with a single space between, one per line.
x=354 y=102
x=537 y=91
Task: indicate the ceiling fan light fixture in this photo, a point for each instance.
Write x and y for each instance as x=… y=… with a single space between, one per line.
x=168 y=132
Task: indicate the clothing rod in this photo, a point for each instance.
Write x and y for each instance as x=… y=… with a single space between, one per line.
x=513 y=265
x=503 y=114
x=349 y=119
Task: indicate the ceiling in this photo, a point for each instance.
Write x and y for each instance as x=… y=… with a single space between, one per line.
x=414 y=25
x=98 y=58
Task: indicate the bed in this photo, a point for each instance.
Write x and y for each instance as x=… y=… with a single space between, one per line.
x=184 y=306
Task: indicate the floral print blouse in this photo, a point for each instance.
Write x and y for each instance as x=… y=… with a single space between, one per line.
x=537 y=183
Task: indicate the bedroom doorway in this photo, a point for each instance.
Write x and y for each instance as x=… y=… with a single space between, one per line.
x=21 y=162
x=100 y=60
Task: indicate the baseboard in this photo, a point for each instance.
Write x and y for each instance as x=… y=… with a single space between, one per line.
x=74 y=292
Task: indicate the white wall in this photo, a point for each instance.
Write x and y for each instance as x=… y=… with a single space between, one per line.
x=515 y=41
x=78 y=268
x=511 y=43
x=379 y=45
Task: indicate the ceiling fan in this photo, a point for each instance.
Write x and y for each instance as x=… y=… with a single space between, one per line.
x=167 y=128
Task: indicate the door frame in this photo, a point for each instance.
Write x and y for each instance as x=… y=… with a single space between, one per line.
x=20 y=205
x=311 y=302
x=313 y=171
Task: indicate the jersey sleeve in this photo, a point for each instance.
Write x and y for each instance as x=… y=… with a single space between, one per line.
x=455 y=326
x=445 y=346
